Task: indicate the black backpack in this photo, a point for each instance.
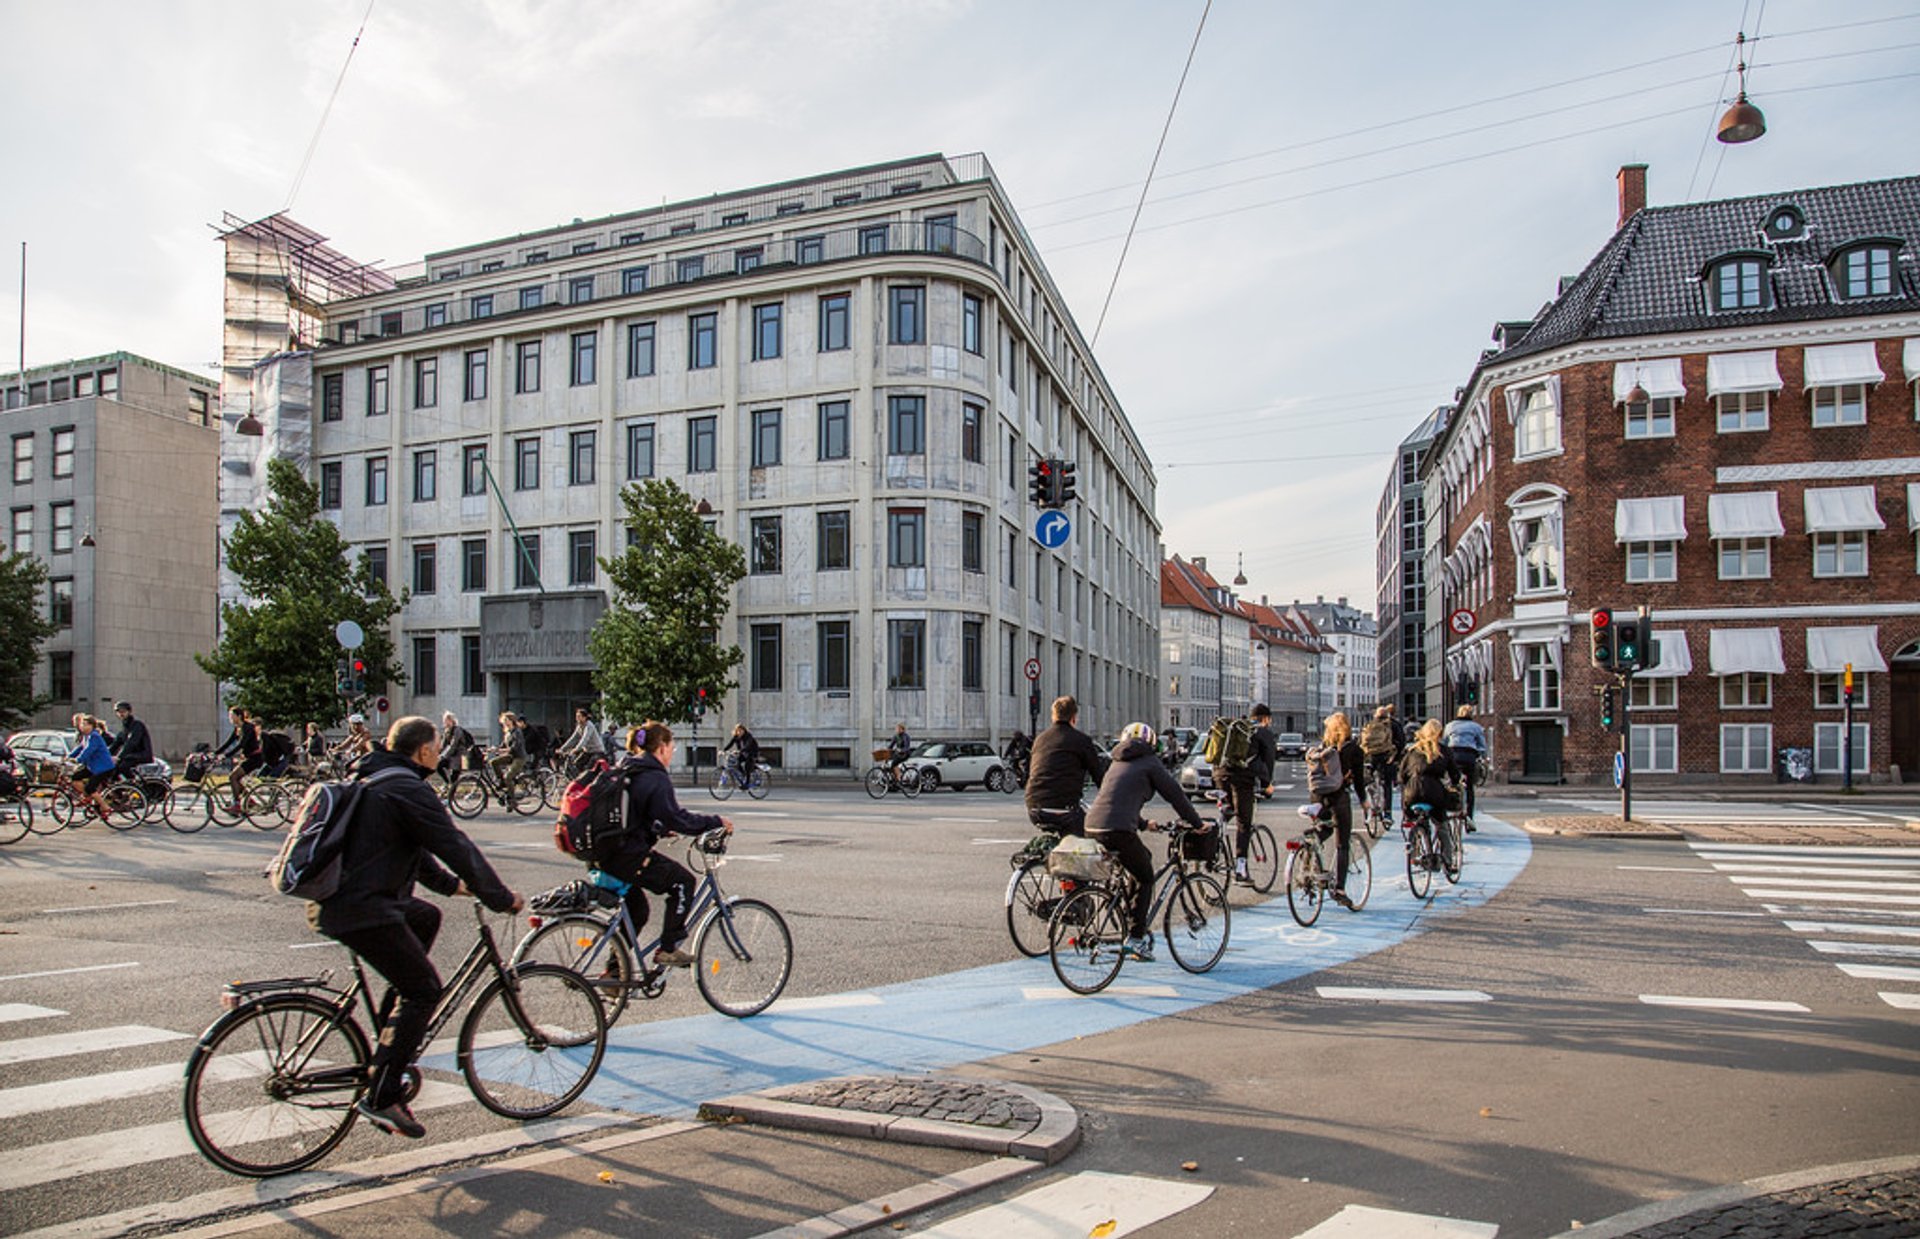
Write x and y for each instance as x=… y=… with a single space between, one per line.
x=308 y=866
x=591 y=811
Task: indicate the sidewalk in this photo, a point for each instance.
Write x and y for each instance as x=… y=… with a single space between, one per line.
x=1867 y=1200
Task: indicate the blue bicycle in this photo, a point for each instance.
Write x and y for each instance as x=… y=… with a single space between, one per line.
x=743 y=953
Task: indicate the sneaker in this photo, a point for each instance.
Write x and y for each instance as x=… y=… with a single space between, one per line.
x=395 y=1120
x=1471 y=828
x=1240 y=873
x=1341 y=898
x=672 y=959
x=1140 y=948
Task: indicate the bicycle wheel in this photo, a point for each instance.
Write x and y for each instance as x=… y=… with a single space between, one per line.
x=1196 y=922
x=1305 y=893
x=742 y=957
x=1359 y=874
x=1084 y=939
x=222 y=807
x=759 y=783
x=467 y=797
x=877 y=783
x=911 y=785
x=722 y=787
x=1453 y=846
x=523 y=796
x=1263 y=859
x=185 y=809
x=63 y=810
x=1032 y=895
x=551 y=786
x=1419 y=862
x=581 y=942
x=123 y=806
x=271 y=1086
x=263 y=807
x=532 y=1041
x=16 y=819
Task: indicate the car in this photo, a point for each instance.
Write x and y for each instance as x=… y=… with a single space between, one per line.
x=1291 y=745
x=958 y=764
x=42 y=747
x=1195 y=775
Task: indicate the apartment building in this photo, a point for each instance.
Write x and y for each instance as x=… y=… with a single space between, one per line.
x=1399 y=531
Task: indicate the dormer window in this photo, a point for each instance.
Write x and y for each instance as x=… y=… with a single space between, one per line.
x=1738 y=282
x=1864 y=271
x=1785 y=224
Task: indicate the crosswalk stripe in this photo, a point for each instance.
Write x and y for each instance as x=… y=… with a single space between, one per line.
x=1722 y=1004
x=1826 y=884
x=113 y=1085
x=1866 y=948
x=1799 y=849
x=11 y=1012
x=1365 y=994
x=1366 y=1222
x=1789 y=909
x=1852 y=927
x=1881 y=972
x=1830 y=871
x=1091 y=1202
x=1824 y=896
x=63 y=972
x=1816 y=860
x=91 y=1041
x=134 y=1146
x=1906 y=1002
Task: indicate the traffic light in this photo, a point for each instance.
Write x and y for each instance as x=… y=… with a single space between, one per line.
x=700 y=703
x=1066 y=471
x=1473 y=692
x=1040 y=477
x=359 y=676
x=1606 y=708
x=1649 y=645
x=1603 y=646
x=343 y=678
x=1628 y=647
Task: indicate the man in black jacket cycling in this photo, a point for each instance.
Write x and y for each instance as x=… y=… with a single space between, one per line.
x=1062 y=761
x=652 y=812
x=1114 y=820
x=133 y=747
x=401 y=835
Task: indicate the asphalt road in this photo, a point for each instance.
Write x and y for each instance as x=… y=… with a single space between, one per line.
x=1564 y=1094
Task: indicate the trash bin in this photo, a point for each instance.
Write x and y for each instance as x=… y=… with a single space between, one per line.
x=1794 y=765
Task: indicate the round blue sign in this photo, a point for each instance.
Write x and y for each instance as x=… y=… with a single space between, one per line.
x=1051 y=529
x=1619 y=769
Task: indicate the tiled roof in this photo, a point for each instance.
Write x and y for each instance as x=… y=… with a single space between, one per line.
x=1178 y=589
x=1647 y=279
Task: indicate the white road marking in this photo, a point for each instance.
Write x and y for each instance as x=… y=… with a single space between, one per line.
x=966 y=821
x=91 y=1041
x=1001 y=842
x=1789 y=909
x=1840 y=865
x=1700 y=912
x=12 y=1011
x=1826 y=884
x=1818 y=897
x=1365 y=994
x=109 y=907
x=1044 y=993
x=310 y=946
x=1366 y=1222
x=768 y=858
x=1661 y=869
x=1906 y=1002
x=1881 y=972
x=1852 y=927
x=1866 y=948
x=828 y=1002
x=1721 y=1004
x=113 y=1085
x=503 y=847
x=1850 y=870
x=1111 y=1205
x=1794 y=849
x=61 y=972
x=758 y=813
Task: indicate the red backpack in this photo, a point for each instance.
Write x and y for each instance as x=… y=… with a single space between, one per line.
x=591 y=811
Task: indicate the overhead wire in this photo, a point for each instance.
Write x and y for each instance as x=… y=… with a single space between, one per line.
x=1760 y=19
x=300 y=176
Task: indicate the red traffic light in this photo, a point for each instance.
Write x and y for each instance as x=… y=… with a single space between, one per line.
x=359 y=666
x=1602 y=618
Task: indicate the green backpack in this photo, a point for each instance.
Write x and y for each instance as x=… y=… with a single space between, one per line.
x=1229 y=741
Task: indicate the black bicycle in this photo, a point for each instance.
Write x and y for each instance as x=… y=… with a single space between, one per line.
x=271 y=1085
x=1214 y=854
x=1433 y=842
x=1088 y=934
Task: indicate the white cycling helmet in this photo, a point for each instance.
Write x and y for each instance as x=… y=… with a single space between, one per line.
x=357 y=718
x=1138 y=731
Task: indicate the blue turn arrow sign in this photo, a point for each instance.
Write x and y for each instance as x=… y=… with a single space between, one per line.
x=1051 y=529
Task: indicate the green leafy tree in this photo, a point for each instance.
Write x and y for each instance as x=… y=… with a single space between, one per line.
x=278 y=650
x=654 y=647
x=23 y=583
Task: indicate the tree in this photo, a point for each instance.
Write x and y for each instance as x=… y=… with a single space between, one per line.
x=278 y=651
x=23 y=583
x=654 y=648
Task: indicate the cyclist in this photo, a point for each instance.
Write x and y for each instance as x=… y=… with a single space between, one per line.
x=133 y=747
x=92 y=755
x=1427 y=772
x=898 y=749
x=652 y=812
x=1017 y=755
x=1263 y=754
x=10 y=783
x=1137 y=773
x=584 y=744
x=402 y=834
x=743 y=754
x=509 y=759
x=358 y=741
x=1063 y=759
x=1466 y=743
x=314 y=743
x=243 y=745
x=1338 y=745
x=455 y=743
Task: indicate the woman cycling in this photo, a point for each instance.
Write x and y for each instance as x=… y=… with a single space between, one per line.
x=1113 y=821
x=1427 y=772
x=1338 y=747
x=243 y=745
x=651 y=813
x=92 y=754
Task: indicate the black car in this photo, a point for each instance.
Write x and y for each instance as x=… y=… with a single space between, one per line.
x=1290 y=745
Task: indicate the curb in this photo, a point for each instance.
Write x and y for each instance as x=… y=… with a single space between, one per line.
x=1544 y=826
x=1056 y=1135
x=1621 y=1225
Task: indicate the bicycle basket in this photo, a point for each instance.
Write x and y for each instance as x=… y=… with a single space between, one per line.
x=1079 y=860
x=1039 y=845
x=197 y=767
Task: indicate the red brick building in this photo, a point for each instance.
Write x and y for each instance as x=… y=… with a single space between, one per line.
x=1717 y=419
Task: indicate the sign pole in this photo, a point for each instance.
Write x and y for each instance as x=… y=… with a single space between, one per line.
x=1626 y=746
x=1846 y=730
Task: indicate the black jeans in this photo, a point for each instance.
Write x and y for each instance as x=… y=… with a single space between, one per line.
x=1466 y=759
x=1136 y=860
x=665 y=877
x=1239 y=787
x=399 y=953
x=1068 y=821
x=1388 y=770
x=1342 y=808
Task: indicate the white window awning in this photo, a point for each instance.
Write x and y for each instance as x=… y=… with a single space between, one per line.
x=1910 y=359
x=1737 y=372
x=1913 y=505
x=1650 y=520
x=1676 y=659
x=1749 y=514
x=1829 y=365
x=1660 y=376
x=1842 y=509
x=1829 y=650
x=1737 y=651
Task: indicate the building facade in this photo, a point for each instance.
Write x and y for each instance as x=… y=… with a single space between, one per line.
x=851 y=373
x=1399 y=541
x=1206 y=646
x=1291 y=651
x=1351 y=678
x=112 y=486
x=1715 y=420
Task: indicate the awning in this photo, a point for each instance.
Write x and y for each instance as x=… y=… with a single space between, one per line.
x=1650 y=520
x=1738 y=372
x=1842 y=509
x=1749 y=514
x=1660 y=376
x=1829 y=365
x=1910 y=359
x=1913 y=505
x=1829 y=650
x=1736 y=651
x=1676 y=659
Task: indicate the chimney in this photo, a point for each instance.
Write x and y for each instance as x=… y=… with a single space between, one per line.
x=1633 y=191
x=1200 y=562
x=1343 y=600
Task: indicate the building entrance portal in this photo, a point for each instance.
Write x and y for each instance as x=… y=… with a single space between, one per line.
x=1905 y=734
x=1540 y=752
x=534 y=649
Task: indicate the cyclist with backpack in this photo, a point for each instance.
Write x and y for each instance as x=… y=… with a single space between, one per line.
x=743 y=753
x=1427 y=772
x=1381 y=744
x=1333 y=766
x=243 y=745
x=1059 y=766
x=1113 y=822
x=1465 y=742
x=1229 y=752
x=650 y=812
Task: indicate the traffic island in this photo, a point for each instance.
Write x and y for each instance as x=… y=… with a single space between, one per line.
x=1597 y=826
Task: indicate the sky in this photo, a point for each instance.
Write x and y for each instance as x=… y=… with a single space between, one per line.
x=1348 y=198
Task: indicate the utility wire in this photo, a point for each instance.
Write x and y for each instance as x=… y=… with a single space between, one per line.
x=327 y=111
x=1148 y=183
x=1759 y=20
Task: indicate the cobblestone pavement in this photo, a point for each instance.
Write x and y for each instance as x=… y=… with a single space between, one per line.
x=1878 y=1206
x=943 y=1100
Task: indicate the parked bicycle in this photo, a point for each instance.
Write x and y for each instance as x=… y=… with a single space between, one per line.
x=271 y=1085
x=1088 y=933
x=730 y=778
x=1310 y=875
x=883 y=779
x=743 y=952
x=1433 y=842
x=1213 y=852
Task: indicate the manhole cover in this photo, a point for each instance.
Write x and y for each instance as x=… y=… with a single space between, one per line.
x=806 y=843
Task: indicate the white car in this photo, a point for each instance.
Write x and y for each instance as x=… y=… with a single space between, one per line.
x=957 y=764
x=1195 y=775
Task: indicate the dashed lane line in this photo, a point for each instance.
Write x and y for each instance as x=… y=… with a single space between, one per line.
x=109 y=907
x=1664 y=869
x=62 y=972
x=12 y=1012
x=1881 y=972
x=1896 y=950
x=1701 y=912
x=1366 y=994
x=1906 y=1002
x=1722 y=1004
x=90 y=1041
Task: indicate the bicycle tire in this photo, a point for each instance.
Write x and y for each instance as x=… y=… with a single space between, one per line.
x=1305 y=892
x=1032 y=895
x=62 y=810
x=876 y=782
x=523 y=797
x=467 y=797
x=532 y=1041
x=1263 y=859
x=722 y=787
x=224 y=810
x=911 y=786
x=584 y=943
x=1084 y=939
x=1359 y=885
x=1196 y=923
x=123 y=806
x=186 y=808
x=263 y=807
x=552 y=787
x=759 y=783
x=249 y=1104
x=1419 y=868
x=1452 y=851
x=16 y=819
x=742 y=957
x=156 y=793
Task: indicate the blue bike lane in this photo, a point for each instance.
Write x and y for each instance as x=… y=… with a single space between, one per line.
x=667 y=1068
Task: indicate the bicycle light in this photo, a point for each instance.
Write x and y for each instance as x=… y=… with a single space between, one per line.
x=229 y=998
x=534 y=921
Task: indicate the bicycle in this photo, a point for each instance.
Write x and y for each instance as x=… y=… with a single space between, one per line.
x=119 y=803
x=1378 y=805
x=1032 y=892
x=258 y=808
x=271 y=1084
x=1431 y=845
x=1310 y=877
x=883 y=779
x=16 y=815
x=1215 y=855
x=743 y=952
x=729 y=778
x=472 y=789
x=1088 y=933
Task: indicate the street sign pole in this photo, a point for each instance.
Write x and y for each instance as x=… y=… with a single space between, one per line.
x=1846 y=730
x=1626 y=746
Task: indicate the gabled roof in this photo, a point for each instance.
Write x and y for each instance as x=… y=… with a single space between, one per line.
x=1179 y=588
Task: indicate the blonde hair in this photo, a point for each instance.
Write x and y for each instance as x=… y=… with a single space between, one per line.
x=1426 y=741
x=1336 y=731
x=1463 y=712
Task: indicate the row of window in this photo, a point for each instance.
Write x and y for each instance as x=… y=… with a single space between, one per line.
x=69 y=386
x=61 y=464
x=1738 y=282
x=1747 y=748
x=1838 y=554
x=1843 y=404
x=523 y=552
x=61 y=540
